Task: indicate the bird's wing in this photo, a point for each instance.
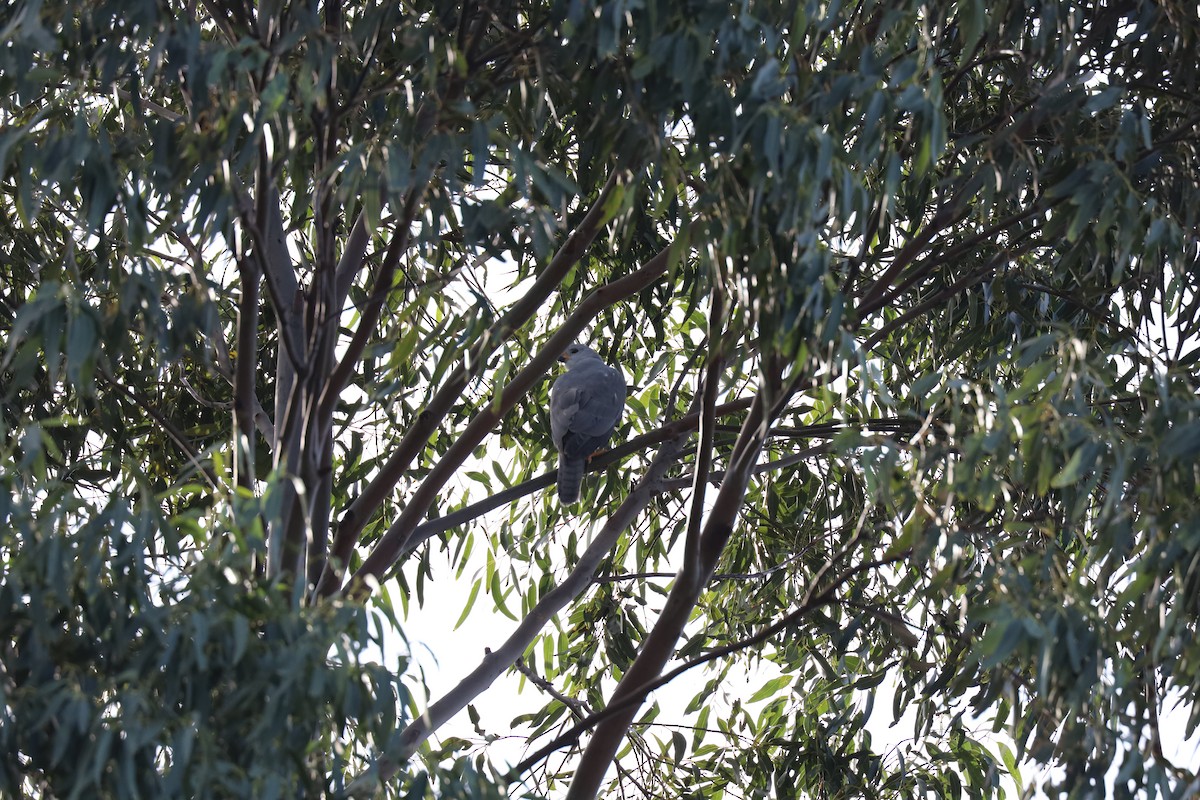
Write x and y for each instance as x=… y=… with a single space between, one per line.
x=586 y=401
x=565 y=398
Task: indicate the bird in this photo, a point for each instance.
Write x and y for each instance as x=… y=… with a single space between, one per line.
x=585 y=407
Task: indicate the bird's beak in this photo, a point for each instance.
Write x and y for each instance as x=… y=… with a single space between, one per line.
x=565 y=357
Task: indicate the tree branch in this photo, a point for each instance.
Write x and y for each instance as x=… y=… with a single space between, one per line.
x=659 y=644
x=709 y=385
x=957 y=252
x=718 y=477
x=811 y=602
x=281 y=292
x=392 y=543
x=717 y=576
x=578 y=708
x=167 y=426
x=373 y=309
x=953 y=290
x=948 y=214
x=353 y=254
x=216 y=338
x=415 y=438
x=217 y=14
x=495 y=662
x=244 y=397
x=427 y=530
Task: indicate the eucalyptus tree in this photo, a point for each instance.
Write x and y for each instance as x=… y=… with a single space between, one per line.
x=904 y=293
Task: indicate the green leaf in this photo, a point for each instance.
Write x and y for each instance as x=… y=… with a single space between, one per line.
x=771 y=688
x=498 y=597
x=679 y=746
x=81 y=343
x=1071 y=471
x=470 y=604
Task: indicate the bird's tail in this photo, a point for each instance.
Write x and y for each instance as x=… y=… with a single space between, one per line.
x=570 y=478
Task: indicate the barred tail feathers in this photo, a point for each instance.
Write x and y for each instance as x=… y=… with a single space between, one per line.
x=570 y=478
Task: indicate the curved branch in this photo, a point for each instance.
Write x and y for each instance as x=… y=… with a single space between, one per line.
x=686 y=423
x=495 y=662
x=387 y=551
x=416 y=437
x=812 y=601
x=659 y=645
x=374 y=307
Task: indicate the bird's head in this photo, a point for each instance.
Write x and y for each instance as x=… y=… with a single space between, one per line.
x=575 y=350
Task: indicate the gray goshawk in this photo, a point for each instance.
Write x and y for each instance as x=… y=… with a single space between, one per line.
x=585 y=406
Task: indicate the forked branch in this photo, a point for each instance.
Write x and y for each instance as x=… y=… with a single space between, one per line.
x=415 y=438
x=390 y=546
x=550 y=603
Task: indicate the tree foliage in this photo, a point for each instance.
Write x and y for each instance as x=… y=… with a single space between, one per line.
x=905 y=294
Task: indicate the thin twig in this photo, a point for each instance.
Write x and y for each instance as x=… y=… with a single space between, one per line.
x=577 y=707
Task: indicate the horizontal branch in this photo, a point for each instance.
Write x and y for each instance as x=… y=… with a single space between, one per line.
x=716 y=477
x=717 y=576
x=417 y=436
x=393 y=542
x=427 y=530
x=495 y=662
